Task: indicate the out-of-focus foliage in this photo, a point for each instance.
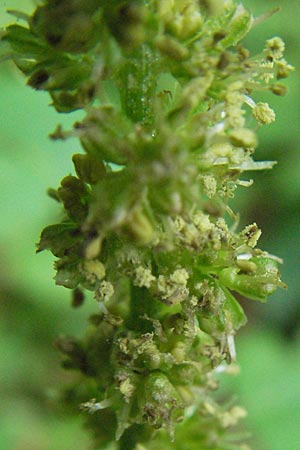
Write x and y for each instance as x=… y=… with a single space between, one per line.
x=34 y=312
x=269 y=385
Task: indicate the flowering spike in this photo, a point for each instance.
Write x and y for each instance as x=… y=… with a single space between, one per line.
x=165 y=89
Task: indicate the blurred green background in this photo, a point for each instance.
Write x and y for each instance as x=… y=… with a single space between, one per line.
x=34 y=311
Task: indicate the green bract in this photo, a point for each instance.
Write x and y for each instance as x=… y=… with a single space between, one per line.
x=168 y=131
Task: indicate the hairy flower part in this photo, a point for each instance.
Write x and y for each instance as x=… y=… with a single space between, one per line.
x=165 y=88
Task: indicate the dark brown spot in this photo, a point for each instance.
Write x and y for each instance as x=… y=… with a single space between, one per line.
x=38 y=79
x=54 y=39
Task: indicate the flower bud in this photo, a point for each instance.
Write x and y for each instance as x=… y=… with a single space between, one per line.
x=57 y=77
x=139 y=227
x=74 y=194
x=243 y=137
x=160 y=404
x=257 y=285
x=101 y=138
x=171 y=48
x=127 y=23
x=278 y=89
x=66 y=26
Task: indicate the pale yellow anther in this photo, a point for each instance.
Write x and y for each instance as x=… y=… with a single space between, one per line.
x=209 y=185
x=179 y=276
x=105 y=291
x=143 y=277
x=274 y=48
x=263 y=113
x=202 y=222
x=283 y=69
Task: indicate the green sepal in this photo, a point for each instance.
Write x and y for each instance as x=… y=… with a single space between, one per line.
x=160 y=404
x=67 y=274
x=223 y=314
x=88 y=168
x=101 y=138
x=67 y=26
x=234 y=314
x=257 y=285
x=237 y=28
x=59 y=74
x=59 y=238
x=217 y=23
x=26 y=66
x=65 y=102
x=126 y=22
x=23 y=42
x=68 y=101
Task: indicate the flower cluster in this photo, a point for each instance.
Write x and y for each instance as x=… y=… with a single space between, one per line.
x=166 y=88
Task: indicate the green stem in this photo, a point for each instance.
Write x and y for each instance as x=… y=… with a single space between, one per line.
x=137 y=84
